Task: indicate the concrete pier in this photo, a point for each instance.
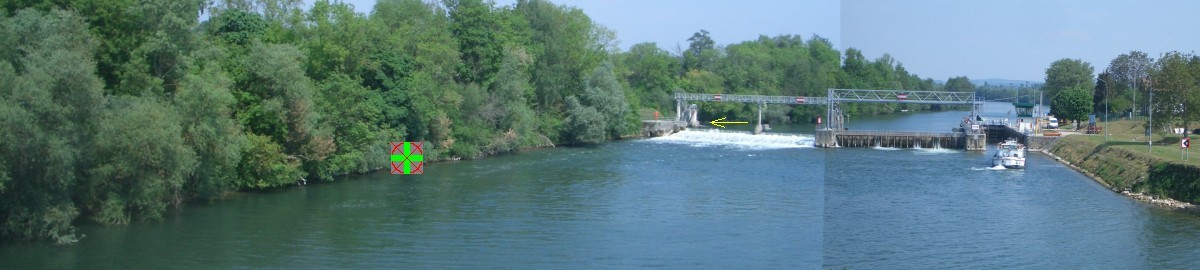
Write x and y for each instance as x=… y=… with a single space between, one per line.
x=659 y=128
x=825 y=138
x=898 y=139
x=975 y=141
x=952 y=140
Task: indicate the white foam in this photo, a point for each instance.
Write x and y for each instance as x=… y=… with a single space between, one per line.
x=934 y=150
x=885 y=148
x=741 y=140
x=994 y=168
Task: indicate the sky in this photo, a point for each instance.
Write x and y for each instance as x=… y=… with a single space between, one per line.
x=939 y=39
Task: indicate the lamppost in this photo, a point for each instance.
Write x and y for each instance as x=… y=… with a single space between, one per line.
x=1106 y=88
x=1150 y=130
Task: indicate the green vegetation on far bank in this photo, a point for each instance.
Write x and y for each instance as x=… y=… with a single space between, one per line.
x=116 y=110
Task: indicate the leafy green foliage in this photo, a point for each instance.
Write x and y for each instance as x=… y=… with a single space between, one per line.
x=205 y=105
x=1176 y=92
x=145 y=161
x=238 y=27
x=1101 y=92
x=332 y=41
x=355 y=115
x=156 y=65
x=264 y=165
x=1073 y=104
x=1065 y=74
x=566 y=48
x=960 y=84
x=49 y=103
x=584 y=124
x=701 y=53
x=652 y=74
x=1129 y=69
x=1174 y=180
x=476 y=26
x=604 y=93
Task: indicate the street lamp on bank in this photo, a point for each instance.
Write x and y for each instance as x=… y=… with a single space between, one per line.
x=1150 y=107
x=1106 y=88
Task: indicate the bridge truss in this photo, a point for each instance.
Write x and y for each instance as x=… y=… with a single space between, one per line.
x=835 y=118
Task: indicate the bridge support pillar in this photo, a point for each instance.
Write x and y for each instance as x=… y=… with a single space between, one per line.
x=974 y=141
x=693 y=120
x=678 y=110
x=759 y=128
x=825 y=138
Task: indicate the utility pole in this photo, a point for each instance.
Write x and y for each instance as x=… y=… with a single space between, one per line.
x=1106 y=88
x=1041 y=96
x=1150 y=130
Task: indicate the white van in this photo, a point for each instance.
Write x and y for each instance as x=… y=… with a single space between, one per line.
x=1051 y=122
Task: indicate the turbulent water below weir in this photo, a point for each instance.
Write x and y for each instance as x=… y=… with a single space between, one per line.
x=696 y=199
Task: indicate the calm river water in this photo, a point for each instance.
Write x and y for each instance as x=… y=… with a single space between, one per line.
x=698 y=199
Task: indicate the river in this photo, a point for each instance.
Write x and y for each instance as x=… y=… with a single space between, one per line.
x=698 y=199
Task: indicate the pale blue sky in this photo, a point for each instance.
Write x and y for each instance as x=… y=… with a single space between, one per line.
x=1012 y=39
x=1015 y=39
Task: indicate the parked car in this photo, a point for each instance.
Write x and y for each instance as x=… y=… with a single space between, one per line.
x=1051 y=122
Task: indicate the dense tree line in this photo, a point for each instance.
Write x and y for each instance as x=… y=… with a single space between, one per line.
x=1026 y=93
x=1133 y=83
x=116 y=110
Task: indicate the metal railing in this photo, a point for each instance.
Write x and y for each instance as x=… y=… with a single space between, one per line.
x=897 y=133
x=902 y=96
x=798 y=100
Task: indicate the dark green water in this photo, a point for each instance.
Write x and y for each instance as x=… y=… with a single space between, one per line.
x=698 y=199
x=645 y=203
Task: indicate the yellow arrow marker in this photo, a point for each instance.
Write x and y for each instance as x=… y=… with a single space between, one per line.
x=718 y=122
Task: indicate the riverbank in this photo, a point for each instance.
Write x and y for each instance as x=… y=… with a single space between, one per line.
x=1133 y=174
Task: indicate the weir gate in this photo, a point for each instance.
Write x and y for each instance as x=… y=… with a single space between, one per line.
x=971 y=134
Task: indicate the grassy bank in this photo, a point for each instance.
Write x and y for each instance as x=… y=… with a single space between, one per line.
x=1123 y=163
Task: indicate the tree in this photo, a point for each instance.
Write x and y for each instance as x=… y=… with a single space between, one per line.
x=512 y=90
x=146 y=161
x=1066 y=74
x=1129 y=69
x=584 y=124
x=276 y=100
x=334 y=40
x=960 y=84
x=701 y=53
x=651 y=74
x=50 y=101
x=1101 y=92
x=1176 y=93
x=606 y=94
x=475 y=26
x=238 y=27
x=205 y=107
x=412 y=62
x=1073 y=104
x=156 y=65
x=565 y=46
x=264 y=165
x=355 y=114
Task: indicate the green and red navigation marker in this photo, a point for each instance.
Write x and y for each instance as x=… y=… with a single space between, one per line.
x=408 y=158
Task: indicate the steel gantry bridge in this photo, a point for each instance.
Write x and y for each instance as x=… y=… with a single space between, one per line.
x=835 y=120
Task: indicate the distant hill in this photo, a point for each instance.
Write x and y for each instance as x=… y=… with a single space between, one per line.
x=998 y=82
x=1004 y=82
